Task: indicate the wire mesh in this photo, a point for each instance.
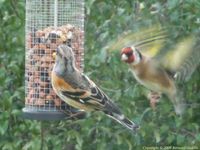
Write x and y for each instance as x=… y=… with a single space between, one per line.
x=50 y=23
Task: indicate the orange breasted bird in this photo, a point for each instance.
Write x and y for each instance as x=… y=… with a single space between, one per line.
x=77 y=90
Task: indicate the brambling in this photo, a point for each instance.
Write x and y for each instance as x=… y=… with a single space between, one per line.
x=77 y=90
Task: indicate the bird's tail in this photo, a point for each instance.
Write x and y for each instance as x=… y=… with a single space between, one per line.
x=179 y=106
x=124 y=121
x=114 y=113
x=179 y=102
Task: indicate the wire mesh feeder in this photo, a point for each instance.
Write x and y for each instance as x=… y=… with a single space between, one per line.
x=50 y=23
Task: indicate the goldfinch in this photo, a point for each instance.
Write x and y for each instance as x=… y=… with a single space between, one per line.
x=154 y=75
x=148 y=73
x=158 y=64
x=77 y=90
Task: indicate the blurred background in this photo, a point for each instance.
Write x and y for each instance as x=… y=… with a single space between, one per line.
x=105 y=21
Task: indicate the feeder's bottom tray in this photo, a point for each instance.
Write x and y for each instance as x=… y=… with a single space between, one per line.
x=51 y=113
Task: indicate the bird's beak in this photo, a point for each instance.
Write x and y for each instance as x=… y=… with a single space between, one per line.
x=54 y=55
x=124 y=57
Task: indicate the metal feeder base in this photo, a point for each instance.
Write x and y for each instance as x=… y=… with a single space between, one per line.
x=50 y=114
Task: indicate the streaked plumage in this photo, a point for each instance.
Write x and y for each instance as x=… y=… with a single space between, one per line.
x=77 y=90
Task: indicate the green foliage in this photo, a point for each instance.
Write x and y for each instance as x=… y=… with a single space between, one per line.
x=105 y=21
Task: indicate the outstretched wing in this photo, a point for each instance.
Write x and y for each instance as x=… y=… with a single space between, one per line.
x=182 y=58
x=189 y=65
x=148 y=40
x=179 y=57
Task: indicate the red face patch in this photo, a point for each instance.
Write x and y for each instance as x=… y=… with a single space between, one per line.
x=128 y=51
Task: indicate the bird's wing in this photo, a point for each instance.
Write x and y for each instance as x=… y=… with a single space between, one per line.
x=152 y=43
x=190 y=64
x=88 y=95
x=178 y=57
x=182 y=58
x=148 y=40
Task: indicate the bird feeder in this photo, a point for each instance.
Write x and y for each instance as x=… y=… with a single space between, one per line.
x=50 y=23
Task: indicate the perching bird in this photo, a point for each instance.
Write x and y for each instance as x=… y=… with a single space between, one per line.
x=153 y=75
x=77 y=90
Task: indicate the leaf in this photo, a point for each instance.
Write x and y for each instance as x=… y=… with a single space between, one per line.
x=129 y=144
x=103 y=55
x=170 y=139
x=180 y=139
x=119 y=139
x=197 y=137
x=164 y=129
x=7 y=101
x=157 y=136
x=172 y=4
x=3 y=127
x=7 y=146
